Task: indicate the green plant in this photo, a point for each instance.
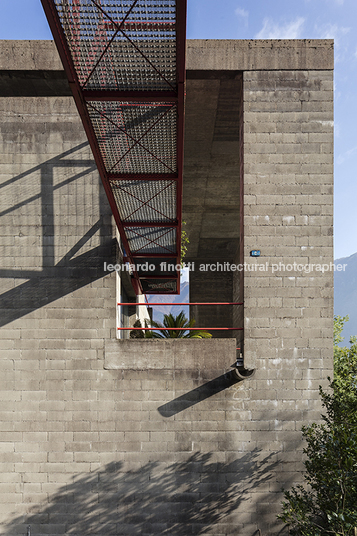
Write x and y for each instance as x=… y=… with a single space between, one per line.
x=171 y=321
x=184 y=242
x=327 y=504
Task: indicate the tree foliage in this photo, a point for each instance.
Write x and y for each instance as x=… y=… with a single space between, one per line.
x=184 y=243
x=171 y=321
x=327 y=504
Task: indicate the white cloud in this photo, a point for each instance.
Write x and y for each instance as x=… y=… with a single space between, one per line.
x=340 y=159
x=285 y=30
x=242 y=13
x=332 y=31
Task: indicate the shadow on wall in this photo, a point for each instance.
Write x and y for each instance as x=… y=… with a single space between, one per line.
x=51 y=276
x=197 y=395
x=191 y=497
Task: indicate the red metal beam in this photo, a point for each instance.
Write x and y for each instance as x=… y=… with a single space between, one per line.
x=68 y=40
x=65 y=54
x=181 y=16
x=181 y=329
x=149 y=304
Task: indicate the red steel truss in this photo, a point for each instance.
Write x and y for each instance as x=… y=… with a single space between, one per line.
x=125 y=63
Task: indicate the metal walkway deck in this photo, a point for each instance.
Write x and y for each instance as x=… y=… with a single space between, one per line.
x=125 y=62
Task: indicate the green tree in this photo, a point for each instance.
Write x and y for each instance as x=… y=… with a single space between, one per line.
x=327 y=504
x=171 y=321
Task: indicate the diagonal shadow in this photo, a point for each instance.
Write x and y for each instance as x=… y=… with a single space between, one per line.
x=50 y=280
x=197 y=395
x=52 y=284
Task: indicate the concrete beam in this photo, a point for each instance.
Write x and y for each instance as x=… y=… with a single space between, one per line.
x=260 y=54
x=229 y=54
x=29 y=55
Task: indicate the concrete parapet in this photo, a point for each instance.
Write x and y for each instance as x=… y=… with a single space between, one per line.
x=176 y=354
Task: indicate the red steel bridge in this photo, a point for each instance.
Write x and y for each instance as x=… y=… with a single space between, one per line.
x=125 y=63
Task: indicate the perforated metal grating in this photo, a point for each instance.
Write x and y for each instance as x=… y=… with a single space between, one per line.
x=151 y=240
x=135 y=137
x=121 y=44
x=145 y=201
x=125 y=61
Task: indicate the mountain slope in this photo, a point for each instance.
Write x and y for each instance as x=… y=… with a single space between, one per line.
x=346 y=294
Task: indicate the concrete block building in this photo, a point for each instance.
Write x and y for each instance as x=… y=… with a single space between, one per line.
x=104 y=436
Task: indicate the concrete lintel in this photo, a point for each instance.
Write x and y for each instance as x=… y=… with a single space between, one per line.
x=210 y=54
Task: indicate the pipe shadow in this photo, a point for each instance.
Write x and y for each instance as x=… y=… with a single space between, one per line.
x=198 y=395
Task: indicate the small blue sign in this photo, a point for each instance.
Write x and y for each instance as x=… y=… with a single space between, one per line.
x=255 y=253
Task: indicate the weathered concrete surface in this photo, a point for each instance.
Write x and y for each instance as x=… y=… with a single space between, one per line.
x=288 y=215
x=29 y=55
x=88 y=450
x=202 y=54
x=260 y=54
x=187 y=354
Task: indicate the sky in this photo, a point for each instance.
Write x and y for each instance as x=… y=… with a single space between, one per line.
x=265 y=19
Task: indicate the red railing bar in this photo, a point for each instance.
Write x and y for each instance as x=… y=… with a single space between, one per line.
x=189 y=303
x=181 y=329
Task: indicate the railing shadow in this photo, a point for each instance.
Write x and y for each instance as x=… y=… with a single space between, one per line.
x=49 y=278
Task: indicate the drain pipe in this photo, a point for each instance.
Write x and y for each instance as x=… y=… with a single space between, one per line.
x=239 y=371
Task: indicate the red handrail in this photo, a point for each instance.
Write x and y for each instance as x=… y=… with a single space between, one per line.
x=181 y=329
x=189 y=303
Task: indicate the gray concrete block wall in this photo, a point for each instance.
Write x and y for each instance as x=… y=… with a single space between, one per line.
x=288 y=215
x=90 y=450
